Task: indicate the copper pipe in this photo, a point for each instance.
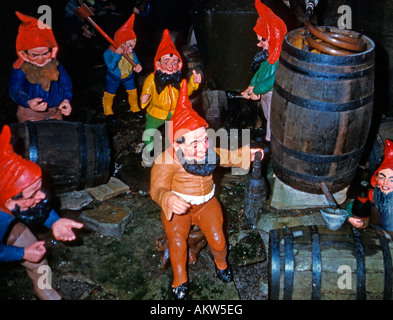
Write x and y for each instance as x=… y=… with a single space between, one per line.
x=332 y=40
x=327 y=48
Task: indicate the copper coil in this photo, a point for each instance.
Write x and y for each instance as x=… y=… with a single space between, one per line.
x=332 y=43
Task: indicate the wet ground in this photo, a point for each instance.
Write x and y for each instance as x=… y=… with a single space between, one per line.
x=96 y=267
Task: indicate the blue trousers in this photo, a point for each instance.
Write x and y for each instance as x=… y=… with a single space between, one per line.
x=112 y=82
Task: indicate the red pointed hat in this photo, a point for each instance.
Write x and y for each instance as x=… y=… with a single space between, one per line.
x=185 y=119
x=17 y=173
x=271 y=28
x=126 y=31
x=387 y=162
x=166 y=47
x=33 y=34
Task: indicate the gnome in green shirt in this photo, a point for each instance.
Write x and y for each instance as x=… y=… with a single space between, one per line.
x=270 y=31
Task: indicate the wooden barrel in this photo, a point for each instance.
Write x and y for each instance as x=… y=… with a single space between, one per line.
x=320 y=114
x=72 y=155
x=313 y=263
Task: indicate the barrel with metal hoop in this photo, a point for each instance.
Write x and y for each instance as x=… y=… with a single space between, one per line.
x=314 y=263
x=72 y=155
x=321 y=113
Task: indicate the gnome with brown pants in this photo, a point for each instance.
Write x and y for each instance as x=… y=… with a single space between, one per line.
x=38 y=82
x=22 y=204
x=182 y=184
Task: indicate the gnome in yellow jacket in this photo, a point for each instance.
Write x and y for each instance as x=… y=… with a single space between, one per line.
x=120 y=71
x=160 y=90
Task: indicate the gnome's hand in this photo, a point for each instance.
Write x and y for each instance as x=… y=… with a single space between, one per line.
x=197 y=77
x=249 y=94
x=35 y=251
x=177 y=205
x=357 y=222
x=254 y=151
x=145 y=98
x=62 y=229
x=37 y=104
x=120 y=49
x=138 y=68
x=65 y=107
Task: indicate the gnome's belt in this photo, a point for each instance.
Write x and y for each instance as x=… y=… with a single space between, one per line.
x=196 y=199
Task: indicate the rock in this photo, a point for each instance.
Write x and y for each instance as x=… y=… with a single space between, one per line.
x=74 y=200
x=109 y=219
x=111 y=189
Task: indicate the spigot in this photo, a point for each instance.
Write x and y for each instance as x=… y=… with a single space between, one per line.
x=311 y=4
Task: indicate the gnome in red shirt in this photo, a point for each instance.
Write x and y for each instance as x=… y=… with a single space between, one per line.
x=182 y=184
x=38 y=82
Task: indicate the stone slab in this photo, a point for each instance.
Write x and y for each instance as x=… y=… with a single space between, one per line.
x=109 y=219
x=278 y=220
x=74 y=200
x=111 y=189
x=285 y=197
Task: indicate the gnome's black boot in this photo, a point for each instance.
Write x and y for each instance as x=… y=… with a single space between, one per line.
x=225 y=275
x=181 y=291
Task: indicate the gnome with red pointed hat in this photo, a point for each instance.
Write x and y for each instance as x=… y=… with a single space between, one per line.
x=161 y=88
x=120 y=70
x=23 y=204
x=182 y=185
x=382 y=195
x=270 y=31
x=38 y=83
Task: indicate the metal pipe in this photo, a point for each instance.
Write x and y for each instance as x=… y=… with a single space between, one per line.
x=329 y=197
x=331 y=40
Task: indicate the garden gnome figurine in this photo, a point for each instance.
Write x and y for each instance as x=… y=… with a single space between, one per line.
x=38 y=82
x=270 y=31
x=382 y=195
x=161 y=90
x=22 y=204
x=182 y=185
x=119 y=69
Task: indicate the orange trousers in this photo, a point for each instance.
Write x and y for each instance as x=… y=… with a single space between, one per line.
x=208 y=217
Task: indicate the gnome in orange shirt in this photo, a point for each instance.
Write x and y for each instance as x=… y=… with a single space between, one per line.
x=182 y=185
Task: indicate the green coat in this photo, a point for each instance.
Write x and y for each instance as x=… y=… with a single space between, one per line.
x=263 y=79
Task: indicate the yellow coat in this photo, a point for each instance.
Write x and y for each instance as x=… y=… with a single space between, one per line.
x=159 y=105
